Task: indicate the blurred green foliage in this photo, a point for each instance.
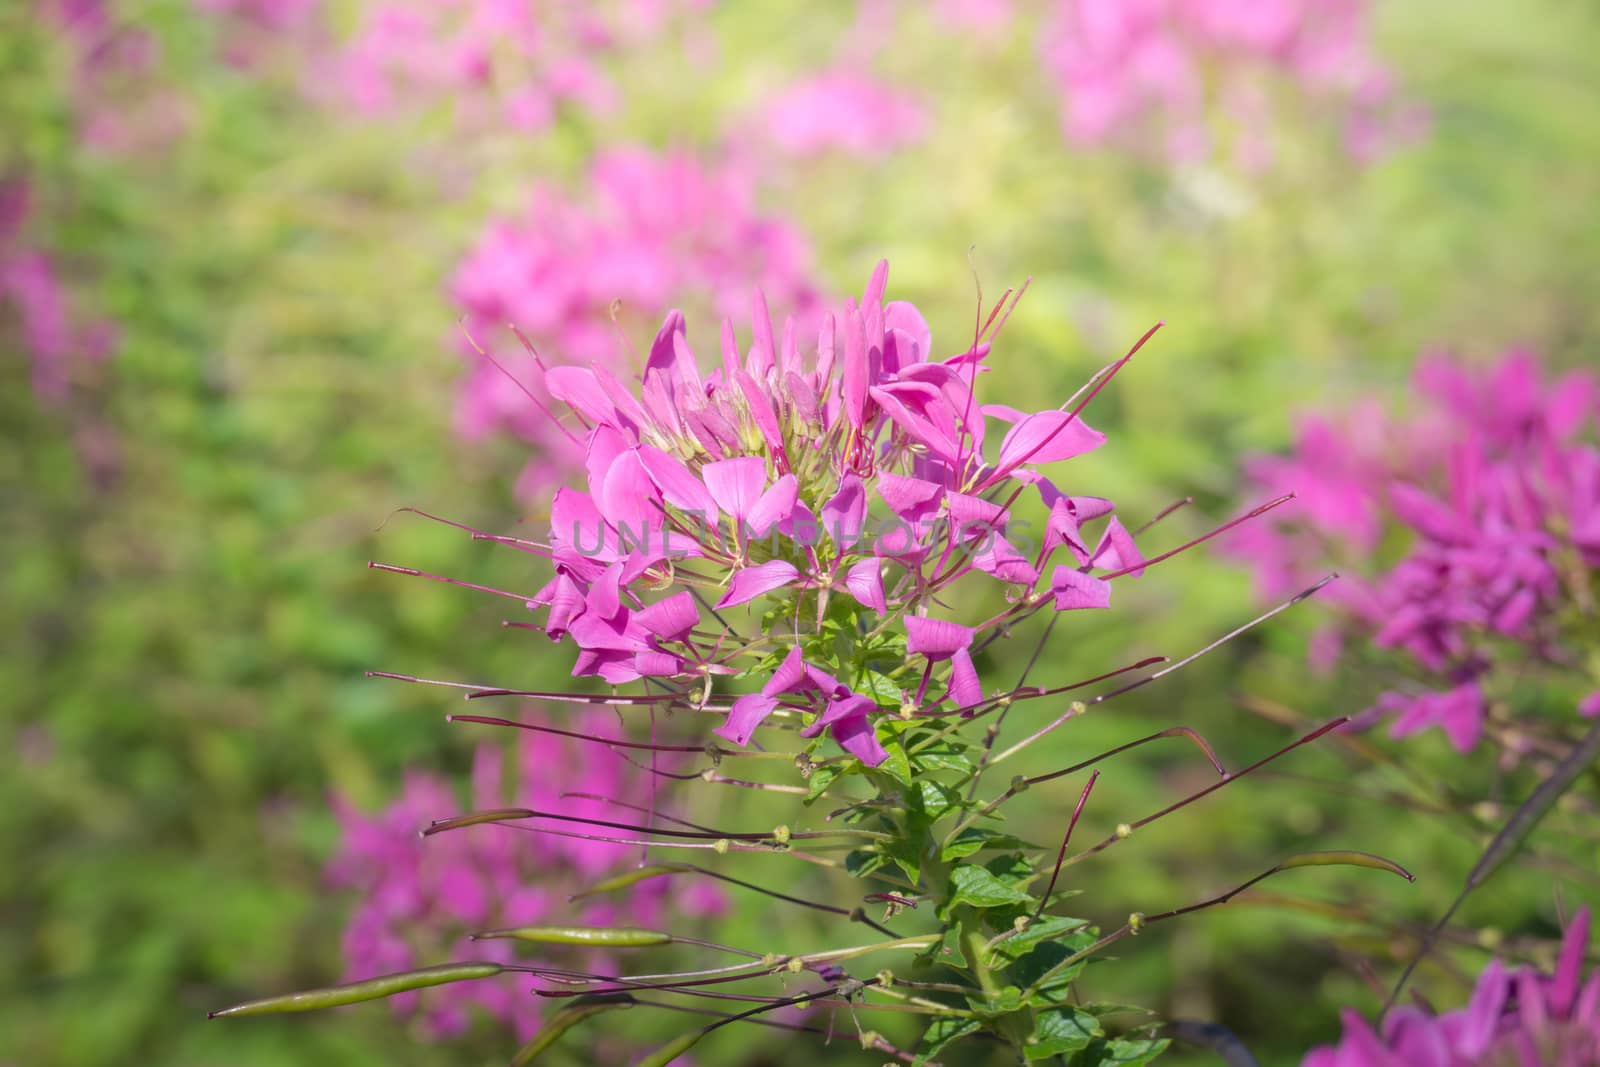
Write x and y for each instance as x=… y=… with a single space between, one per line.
x=185 y=632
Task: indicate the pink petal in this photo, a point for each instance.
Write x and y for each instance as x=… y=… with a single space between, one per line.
x=910 y=498
x=864 y=579
x=856 y=736
x=677 y=484
x=1047 y=437
x=669 y=619
x=1075 y=590
x=1117 y=552
x=1563 y=993
x=775 y=505
x=936 y=638
x=736 y=484
x=578 y=388
x=790 y=673
x=965 y=688
x=748 y=712
x=754 y=581
x=844 y=516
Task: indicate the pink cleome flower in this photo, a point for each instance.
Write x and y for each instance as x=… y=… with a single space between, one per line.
x=422 y=897
x=653 y=230
x=855 y=477
x=1493 y=483
x=1515 y=1019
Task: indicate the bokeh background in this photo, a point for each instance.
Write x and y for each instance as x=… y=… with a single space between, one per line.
x=244 y=245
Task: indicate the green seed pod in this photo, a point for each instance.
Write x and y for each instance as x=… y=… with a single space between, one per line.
x=477 y=818
x=1346 y=858
x=610 y=937
x=564 y=1020
x=633 y=877
x=356 y=992
x=672 y=1050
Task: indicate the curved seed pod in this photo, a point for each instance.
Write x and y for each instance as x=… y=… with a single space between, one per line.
x=633 y=877
x=356 y=992
x=611 y=937
x=1345 y=858
x=672 y=1049
x=565 y=1019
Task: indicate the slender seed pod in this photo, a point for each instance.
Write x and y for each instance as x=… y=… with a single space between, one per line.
x=599 y=936
x=355 y=992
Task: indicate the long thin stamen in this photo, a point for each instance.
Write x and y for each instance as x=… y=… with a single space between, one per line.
x=414 y=573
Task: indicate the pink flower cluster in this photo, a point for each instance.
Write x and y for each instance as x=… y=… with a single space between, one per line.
x=31 y=286
x=1515 y=1019
x=1123 y=63
x=841 y=110
x=1495 y=485
x=851 y=480
x=422 y=897
x=120 y=105
x=501 y=61
x=653 y=230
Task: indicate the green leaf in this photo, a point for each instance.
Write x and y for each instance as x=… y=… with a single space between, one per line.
x=1010 y=868
x=943 y=1031
x=976 y=887
x=947 y=952
x=934 y=798
x=880 y=688
x=896 y=766
x=864 y=861
x=1119 y=1052
x=1047 y=929
x=1059 y=1030
x=906 y=853
x=1035 y=964
x=820 y=780
x=975 y=839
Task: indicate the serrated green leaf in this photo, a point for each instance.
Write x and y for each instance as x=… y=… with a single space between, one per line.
x=1010 y=868
x=1037 y=962
x=934 y=798
x=1047 y=929
x=942 y=1032
x=947 y=952
x=976 y=887
x=1059 y=1030
x=820 y=780
x=1119 y=1052
x=881 y=688
x=896 y=766
x=863 y=862
x=975 y=839
x=906 y=855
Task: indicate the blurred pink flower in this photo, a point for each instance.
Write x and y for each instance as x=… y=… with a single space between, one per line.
x=844 y=111
x=1515 y=1018
x=654 y=230
x=1491 y=483
x=120 y=105
x=421 y=897
x=510 y=61
x=1123 y=65
x=59 y=345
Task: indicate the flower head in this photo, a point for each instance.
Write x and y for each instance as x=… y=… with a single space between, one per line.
x=1493 y=485
x=847 y=481
x=1515 y=1018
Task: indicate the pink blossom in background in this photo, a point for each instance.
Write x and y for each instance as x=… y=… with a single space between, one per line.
x=651 y=231
x=1492 y=489
x=32 y=292
x=119 y=105
x=511 y=62
x=1126 y=67
x=844 y=111
x=419 y=898
x=1517 y=1018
